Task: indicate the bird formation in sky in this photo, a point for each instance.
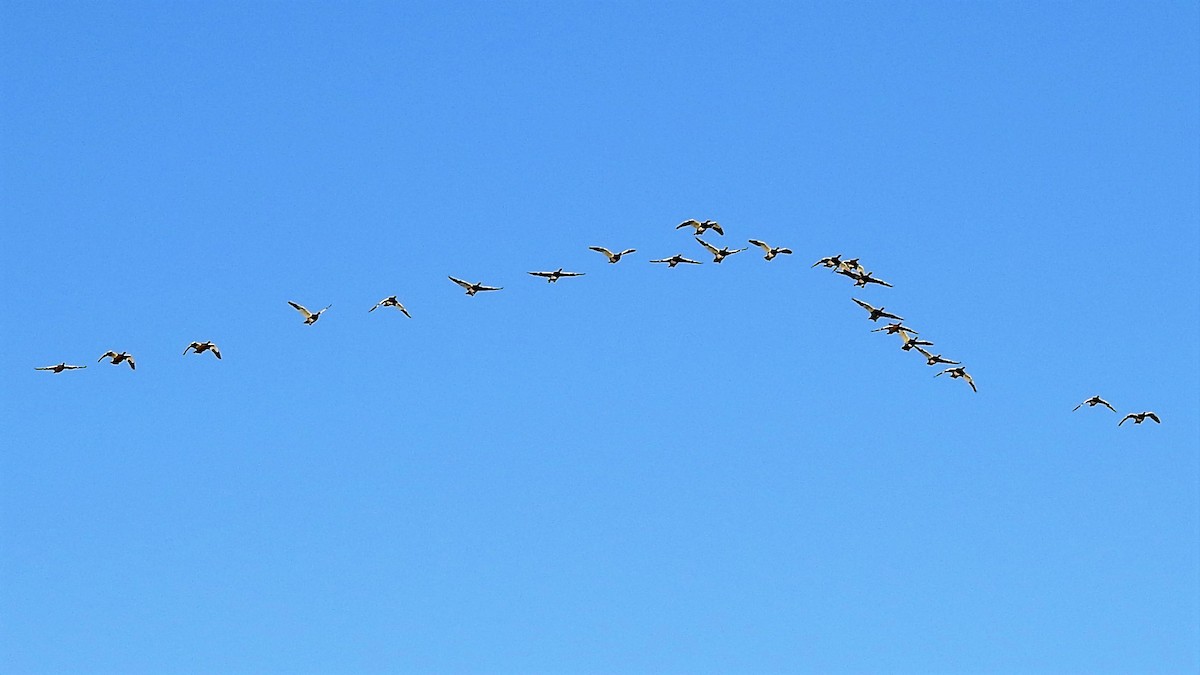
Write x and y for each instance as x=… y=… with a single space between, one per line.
x=851 y=268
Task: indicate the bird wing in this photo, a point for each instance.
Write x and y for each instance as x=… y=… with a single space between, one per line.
x=74 y=367
x=216 y=352
x=661 y=261
x=761 y=244
x=889 y=315
x=325 y=308
x=948 y=370
x=376 y=306
x=689 y=261
x=1105 y=404
x=542 y=274
x=881 y=282
x=863 y=305
x=132 y=365
x=481 y=287
x=1129 y=416
x=191 y=346
x=971 y=381
x=301 y=308
x=601 y=249
x=711 y=249
x=717 y=227
x=925 y=353
x=571 y=274
x=629 y=250
x=460 y=282
x=1077 y=407
x=108 y=354
x=688 y=223
x=403 y=310
x=46 y=368
x=786 y=251
x=1153 y=417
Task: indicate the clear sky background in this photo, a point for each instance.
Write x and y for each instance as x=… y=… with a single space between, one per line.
x=701 y=469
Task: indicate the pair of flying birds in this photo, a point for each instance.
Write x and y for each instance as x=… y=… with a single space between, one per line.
x=1137 y=418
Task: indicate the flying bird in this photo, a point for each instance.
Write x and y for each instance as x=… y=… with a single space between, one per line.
x=675 y=260
x=391 y=301
x=718 y=254
x=893 y=328
x=1093 y=402
x=202 y=347
x=876 y=313
x=1138 y=418
x=850 y=266
x=552 y=277
x=60 y=367
x=309 y=317
x=118 y=358
x=830 y=261
x=934 y=359
x=861 y=280
x=958 y=372
x=472 y=289
x=772 y=251
x=612 y=257
x=910 y=342
x=700 y=227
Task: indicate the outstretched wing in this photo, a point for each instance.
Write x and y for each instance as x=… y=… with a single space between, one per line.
x=761 y=244
x=1129 y=416
x=488 y=288
x=924 y=353
x=1153 y=417
x=601 y=249
x=628 y=250
x=717 y=226
x=301 y=308
x=1105 y=404
x=543 y=274
x=688 y=223
x=889 y=315
x=216 y=352
x=571 y=274
x=874 y=280
x=711 y=249
x=971 y=381
x=46 y=368
x=191 y=346
x=132 y=365
x=664 y=260
x=106 y=355
x=460 y=282
x=863 y=305
x=689 y=261
x=787 y=251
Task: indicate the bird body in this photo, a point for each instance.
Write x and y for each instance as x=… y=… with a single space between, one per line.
x=829 y=261
x=60 y=368
x=675 y=260
x=893 y=328
x=472 y=289
x=1093 y=402
x=862 y=279
x=1138 y=418
x=613 y=258
x=552 y=277
x=701 y=227
x=771 y=251
x=876 y=313
x=118 y=358
x=391 y=301
x=201 y=347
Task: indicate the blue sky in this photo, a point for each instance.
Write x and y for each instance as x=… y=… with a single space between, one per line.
x=701 y=469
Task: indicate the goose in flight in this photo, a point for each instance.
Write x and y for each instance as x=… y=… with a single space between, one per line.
x=876 y=312
x=850 y=266
x=772 y=251
x=552 y=277
x=60 y=367
x=893 y=328
x=718 y=254
x=910 y=342
x=958 y=372
x=1138 y=418
x=1093 y=402
x=934 y=359
x=118 y=358
x=862 y=279
x=675 y=260
x=472 y=289
x=700 y=227
x=309 y=317
x=829 y=261
x=612 y=257
x=202 y=347
x=391 y=301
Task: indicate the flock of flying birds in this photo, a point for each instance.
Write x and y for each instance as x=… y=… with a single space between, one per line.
x=852 y=268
